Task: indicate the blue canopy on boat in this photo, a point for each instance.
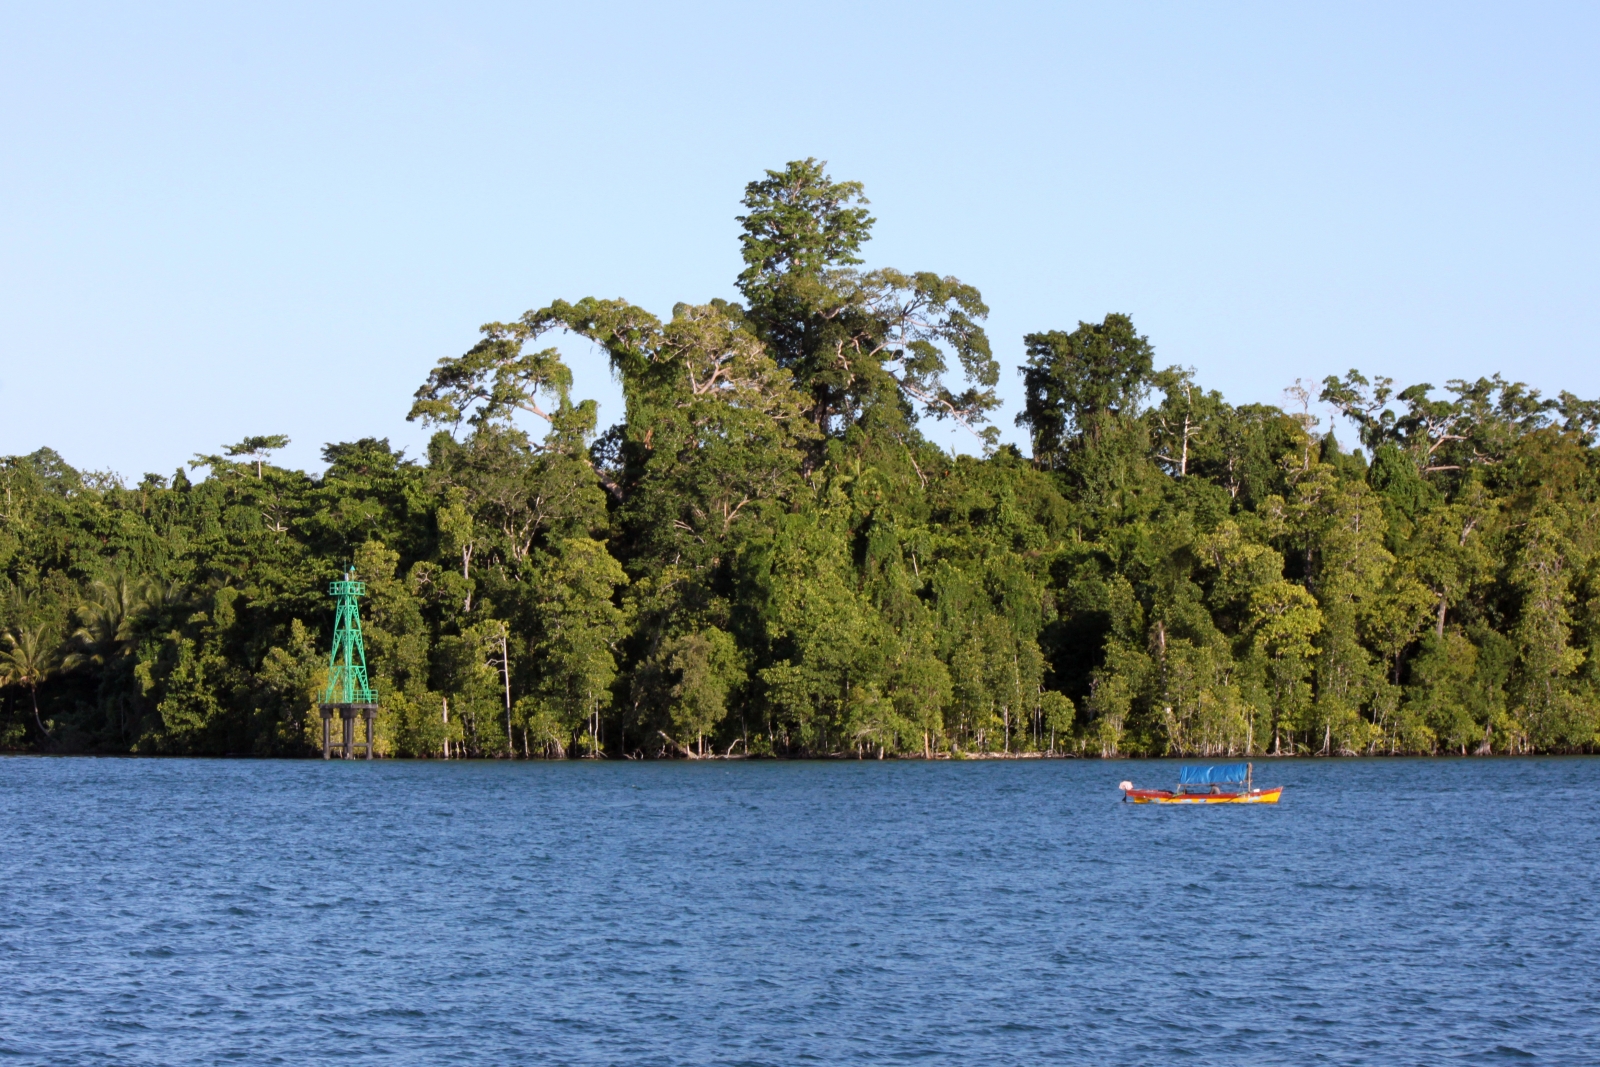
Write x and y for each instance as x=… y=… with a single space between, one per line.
x=1227 y=772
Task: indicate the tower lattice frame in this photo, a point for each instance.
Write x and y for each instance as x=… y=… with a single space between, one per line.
x=348 y=691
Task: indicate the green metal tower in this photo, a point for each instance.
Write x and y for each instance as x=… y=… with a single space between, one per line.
x=348 y=690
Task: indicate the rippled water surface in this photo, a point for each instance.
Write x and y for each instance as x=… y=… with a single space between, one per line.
x=176 y=912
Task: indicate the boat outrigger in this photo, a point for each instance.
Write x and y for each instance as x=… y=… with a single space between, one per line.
x=1229 y=783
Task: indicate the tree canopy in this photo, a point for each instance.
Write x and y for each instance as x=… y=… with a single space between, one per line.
x=766 y=556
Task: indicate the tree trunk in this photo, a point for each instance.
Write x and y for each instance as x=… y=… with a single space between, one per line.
x=34 y=693
x=505 y=673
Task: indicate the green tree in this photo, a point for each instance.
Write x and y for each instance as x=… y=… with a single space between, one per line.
x=766 y=556
x=1058 y=715
x=1083 y=387
x=1285 y=621
x=579 y=629
x=1545 y=703
x=258 y=448
x=704 y=667
x=860 y=343
x=29 y=658
x=1446 y=552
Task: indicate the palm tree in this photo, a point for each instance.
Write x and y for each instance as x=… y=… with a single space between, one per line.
x=108 y=619
x=28 y=659
x=110 y=622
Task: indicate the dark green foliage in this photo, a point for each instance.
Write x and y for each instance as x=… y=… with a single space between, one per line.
x=767 y=557
x=868 y=348
x=1084 y=387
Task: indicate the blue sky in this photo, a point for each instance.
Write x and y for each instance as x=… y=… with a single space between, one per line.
x=274 y=219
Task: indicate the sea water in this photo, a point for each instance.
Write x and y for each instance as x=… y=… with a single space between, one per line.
x=1386 y=912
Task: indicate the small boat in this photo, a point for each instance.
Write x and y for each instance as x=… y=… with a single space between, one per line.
x=1229 y=783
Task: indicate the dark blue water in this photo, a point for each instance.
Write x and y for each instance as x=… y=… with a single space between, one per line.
x=177 y=912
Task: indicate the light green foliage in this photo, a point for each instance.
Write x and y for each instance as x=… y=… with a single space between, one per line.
x=258 y=448
x=493 y=380
x=1458 y=703
x=1058 y=714
x=822 y=638
x=397 y=639
x=289 y=686
x=765 y=556
x=1285 y=620
x=466 y=671
x=1117 y=686
x=28 y=658
x=1548 y=710
x=683 y=692
x=579 y=628
x=921 y=689
x=1341 y=526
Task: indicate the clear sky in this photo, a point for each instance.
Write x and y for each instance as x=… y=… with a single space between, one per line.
x=221 y=220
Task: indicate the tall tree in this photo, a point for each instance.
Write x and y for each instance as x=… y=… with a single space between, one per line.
x=258 y=448
x=28 y=659
x=862 y=344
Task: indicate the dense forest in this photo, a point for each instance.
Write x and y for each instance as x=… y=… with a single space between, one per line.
x=767 y=557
